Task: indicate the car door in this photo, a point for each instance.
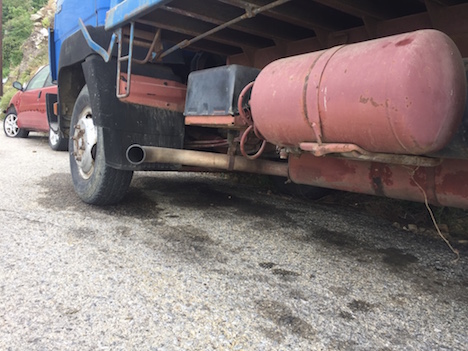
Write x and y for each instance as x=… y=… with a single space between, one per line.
x=41 y=120
x=29 y=107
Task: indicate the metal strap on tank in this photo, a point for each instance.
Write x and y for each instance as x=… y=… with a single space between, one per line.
x=316 y=119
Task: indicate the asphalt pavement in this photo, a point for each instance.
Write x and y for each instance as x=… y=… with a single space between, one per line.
x=192 y=261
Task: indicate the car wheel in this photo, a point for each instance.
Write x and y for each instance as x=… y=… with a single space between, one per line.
x=57 y=142
x=94 y=181
x=10 y=125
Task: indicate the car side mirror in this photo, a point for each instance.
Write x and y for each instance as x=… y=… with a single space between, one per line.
x=18 y=85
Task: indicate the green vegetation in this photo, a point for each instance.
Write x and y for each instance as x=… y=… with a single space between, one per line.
x=17 y=27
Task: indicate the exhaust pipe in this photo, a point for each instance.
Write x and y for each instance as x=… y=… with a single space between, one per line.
x=137 y=154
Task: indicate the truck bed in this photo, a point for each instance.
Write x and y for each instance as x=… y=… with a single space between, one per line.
x=255 y=32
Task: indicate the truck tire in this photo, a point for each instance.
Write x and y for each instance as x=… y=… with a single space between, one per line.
x=94 y=181
x=57 y=141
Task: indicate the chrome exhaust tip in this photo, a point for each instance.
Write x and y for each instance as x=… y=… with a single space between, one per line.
x=136 y=154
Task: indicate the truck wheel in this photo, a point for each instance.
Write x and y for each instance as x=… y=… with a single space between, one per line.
x=95 y=182
x=57 y=142
x=10 y=125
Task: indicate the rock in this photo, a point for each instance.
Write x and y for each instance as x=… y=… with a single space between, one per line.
x=35 y=17
x=44 y=32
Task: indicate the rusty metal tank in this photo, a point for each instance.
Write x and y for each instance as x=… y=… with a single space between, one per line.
x=403 y=94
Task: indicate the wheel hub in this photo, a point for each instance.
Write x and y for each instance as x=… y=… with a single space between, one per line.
x=84 y=143
x=11 y=127
x=53 y=137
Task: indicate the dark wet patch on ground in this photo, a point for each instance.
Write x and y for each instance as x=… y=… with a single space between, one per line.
x=360 y=306
x=188 y=243
x=396 y=258
x=339 y=290
x=124 y=231
x=343 y=345
x=252 y=277
x=284 y=272
x=346 y=315
x=136 y=205
x=284 y=318
x=82 y=233
x=331 y=238
x=188 y=193
x=188 y=235
x=60 y=195
x=298 y=295
x=267 y=265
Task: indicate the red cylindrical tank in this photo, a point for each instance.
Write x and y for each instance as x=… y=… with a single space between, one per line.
x=403 y=94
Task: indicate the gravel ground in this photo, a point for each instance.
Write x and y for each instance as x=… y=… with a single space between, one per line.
x=197 y=262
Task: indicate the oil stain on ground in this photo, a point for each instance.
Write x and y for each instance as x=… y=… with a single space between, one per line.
x=331 y=238
x=192 y=193
x=285 y=319
x=396 y=258
x=360 y=306
x=189 y=243
x=60 y=195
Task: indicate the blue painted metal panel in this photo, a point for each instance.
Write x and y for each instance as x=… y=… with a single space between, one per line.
x=66 y=21
x=52 y=55
x=124 y=11
x=102 y=6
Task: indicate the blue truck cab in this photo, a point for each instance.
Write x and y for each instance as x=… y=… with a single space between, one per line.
x=92 y=13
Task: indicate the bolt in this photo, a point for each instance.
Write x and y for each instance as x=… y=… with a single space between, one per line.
x=283 y=154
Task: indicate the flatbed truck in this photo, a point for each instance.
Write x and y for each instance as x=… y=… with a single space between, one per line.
x=363 y=96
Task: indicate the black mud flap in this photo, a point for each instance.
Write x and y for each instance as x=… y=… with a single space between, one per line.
x=125 y=124
x=52 y=118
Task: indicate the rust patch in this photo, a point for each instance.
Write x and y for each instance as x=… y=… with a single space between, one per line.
x=408 y=102
x=365 y=100
x=404 y=42
x=419 y=176
x=380 y=176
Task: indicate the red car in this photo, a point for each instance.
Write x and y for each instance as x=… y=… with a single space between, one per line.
x=27 y=110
